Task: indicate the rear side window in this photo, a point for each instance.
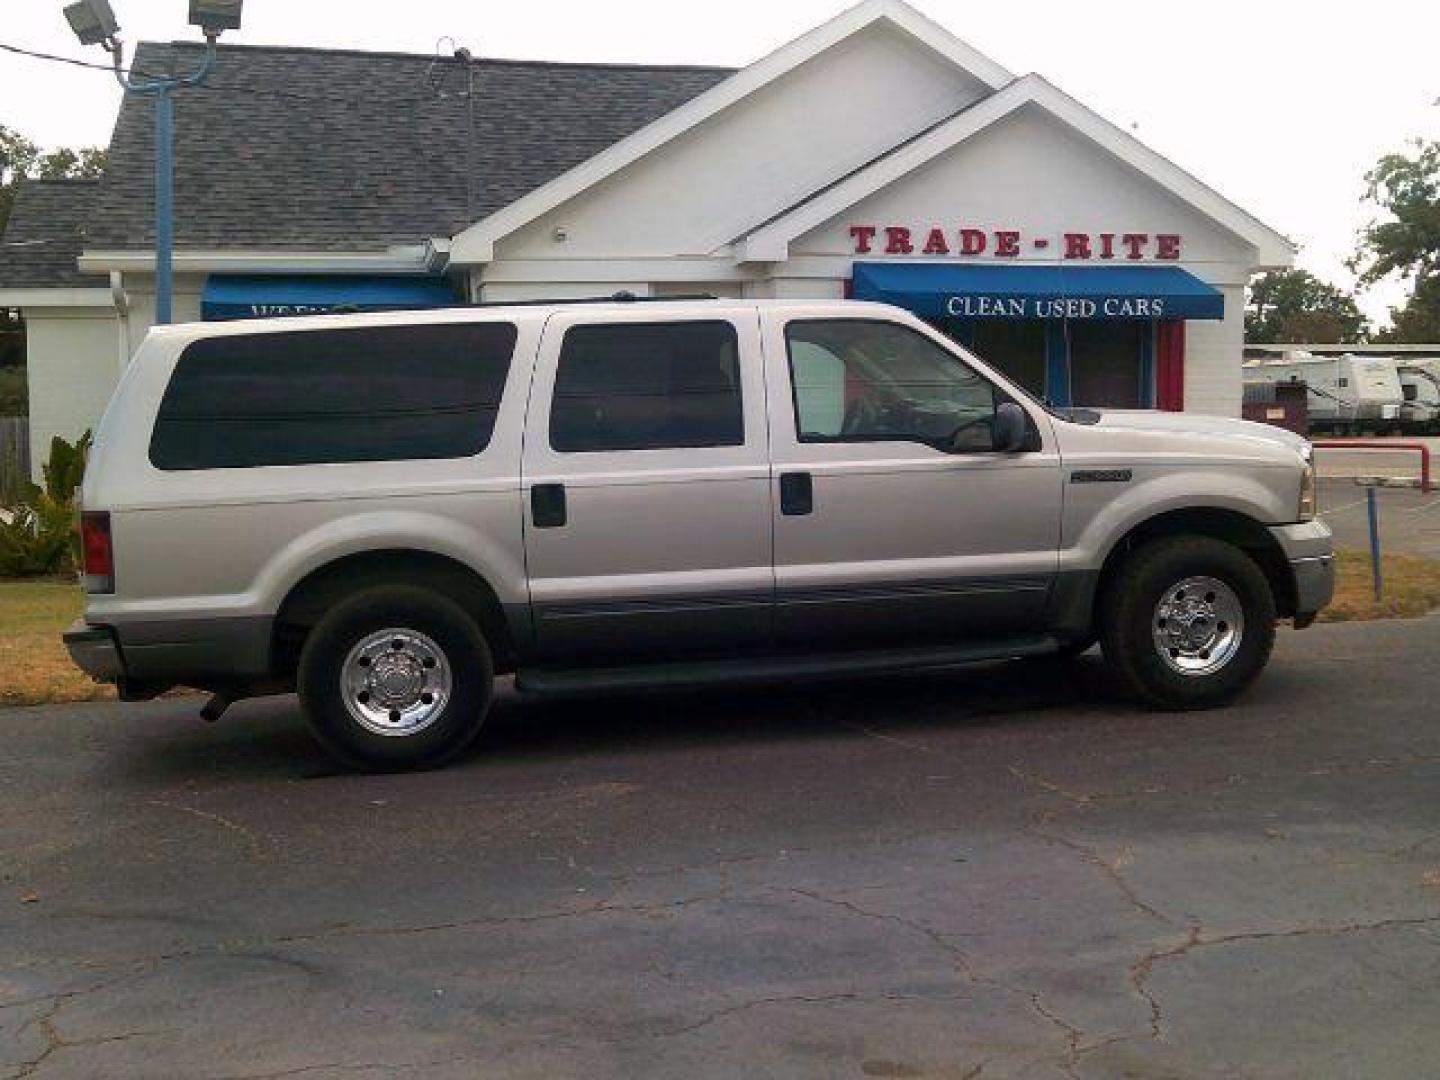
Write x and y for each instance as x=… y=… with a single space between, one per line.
x=319 y=396
x=647 y=386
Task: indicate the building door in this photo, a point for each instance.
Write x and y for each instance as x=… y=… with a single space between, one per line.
x=1109 y=363
x=647 y=490
x=1014 y=347
x=895 y=519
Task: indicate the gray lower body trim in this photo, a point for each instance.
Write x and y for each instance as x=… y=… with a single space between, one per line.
x=1309 y=547
x=1314 y=583
x=909 y=614
x=94 y=651
x=668 y=628
x=1071 y=613
x=1306 y=540
x=196 y=651
x=894 y=615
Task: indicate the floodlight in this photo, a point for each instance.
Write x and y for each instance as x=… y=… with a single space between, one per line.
x=215 y=16
x=93 y=21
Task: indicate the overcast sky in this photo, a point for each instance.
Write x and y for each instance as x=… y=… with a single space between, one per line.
x=1280 y=104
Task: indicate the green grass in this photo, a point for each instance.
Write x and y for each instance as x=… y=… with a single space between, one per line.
x=1412 y=588
x=38 y=670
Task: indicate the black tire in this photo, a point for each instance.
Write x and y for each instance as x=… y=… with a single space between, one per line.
x=463 y=654
x=1129 y=613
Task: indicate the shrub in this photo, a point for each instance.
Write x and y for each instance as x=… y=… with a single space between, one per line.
x=42 y=537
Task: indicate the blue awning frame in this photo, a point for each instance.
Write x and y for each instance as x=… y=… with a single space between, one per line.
x=974 y=291
x=254 y=296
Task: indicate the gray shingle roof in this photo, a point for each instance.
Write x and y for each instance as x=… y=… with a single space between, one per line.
x=289 y=148
x=42 y=238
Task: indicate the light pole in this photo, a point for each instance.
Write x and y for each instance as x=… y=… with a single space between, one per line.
x=94 y=23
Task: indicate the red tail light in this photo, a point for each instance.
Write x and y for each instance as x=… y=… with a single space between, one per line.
x=99 y=553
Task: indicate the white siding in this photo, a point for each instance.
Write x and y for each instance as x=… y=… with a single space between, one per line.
x=701 y=191
x=73 y=361
x=1213 y=354
x=184 y=303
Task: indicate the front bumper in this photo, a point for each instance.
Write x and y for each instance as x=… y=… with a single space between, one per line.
x=95 y=651
x=1310 y=549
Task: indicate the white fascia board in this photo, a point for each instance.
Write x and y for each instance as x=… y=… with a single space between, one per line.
x=527 y=271
x=477 y=243
x=56 y=298
x=771 y=242
x=417 y=260
x=835 y=267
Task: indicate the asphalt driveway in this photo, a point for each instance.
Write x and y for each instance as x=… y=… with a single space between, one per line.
x=998 y=872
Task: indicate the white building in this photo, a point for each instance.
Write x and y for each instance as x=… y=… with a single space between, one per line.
x=877 y=156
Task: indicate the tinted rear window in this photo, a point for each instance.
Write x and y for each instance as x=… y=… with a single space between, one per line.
x=647 y=386
x=319 y=396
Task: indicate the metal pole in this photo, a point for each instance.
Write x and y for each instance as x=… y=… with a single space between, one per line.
x=164 y=205
x=1374 y=543
x=160 y=90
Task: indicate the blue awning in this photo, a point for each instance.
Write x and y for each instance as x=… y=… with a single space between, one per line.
x=948 y=290
x=255 y=297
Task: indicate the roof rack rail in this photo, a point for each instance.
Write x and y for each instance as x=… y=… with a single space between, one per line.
x=622 y=297
x=616 y=298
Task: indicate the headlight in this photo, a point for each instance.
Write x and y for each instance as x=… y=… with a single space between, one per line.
x=1307 y=486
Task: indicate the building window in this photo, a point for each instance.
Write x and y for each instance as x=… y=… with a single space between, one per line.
x=1098 y=362
x=1107 y=362
x=1014 y=347
x=647 y=386
x=309 y=397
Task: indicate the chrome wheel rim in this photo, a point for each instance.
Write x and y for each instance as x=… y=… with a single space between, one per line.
x=1198 y=626
x=396 y=682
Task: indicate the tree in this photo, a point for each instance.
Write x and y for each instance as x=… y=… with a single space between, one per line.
x=1405 y=241
x=1295 y=305
x=21 y=159
x=1418 y=322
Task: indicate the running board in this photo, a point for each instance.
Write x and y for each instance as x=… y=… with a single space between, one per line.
x=702 y=673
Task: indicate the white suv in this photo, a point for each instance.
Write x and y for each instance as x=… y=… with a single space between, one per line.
x=387 y=511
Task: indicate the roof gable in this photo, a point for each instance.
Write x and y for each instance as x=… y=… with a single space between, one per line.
x=770 y=241
x=477 y=243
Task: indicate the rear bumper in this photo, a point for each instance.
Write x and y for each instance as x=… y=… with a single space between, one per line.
x=194 y=652
x=95 y=651
x=1310 y=550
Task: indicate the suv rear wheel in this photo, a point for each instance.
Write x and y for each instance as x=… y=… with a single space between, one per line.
x=396 y=677
x=1188 y=623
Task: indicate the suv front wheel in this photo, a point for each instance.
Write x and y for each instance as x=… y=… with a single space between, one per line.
x=1188 y=622
x=395 y=677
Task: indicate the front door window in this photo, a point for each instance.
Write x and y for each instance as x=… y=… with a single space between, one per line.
x=861 y=381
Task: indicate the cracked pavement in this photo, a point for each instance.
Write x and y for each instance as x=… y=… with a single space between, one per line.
x=994 y=872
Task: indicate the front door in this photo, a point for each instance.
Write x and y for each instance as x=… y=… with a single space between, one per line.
x=646 y=484
x=896 y=522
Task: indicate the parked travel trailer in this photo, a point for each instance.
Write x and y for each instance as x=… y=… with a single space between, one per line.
x=1420 y=384
x=1347 y=394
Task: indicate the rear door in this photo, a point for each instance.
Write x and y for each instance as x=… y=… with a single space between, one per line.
x=646 y=486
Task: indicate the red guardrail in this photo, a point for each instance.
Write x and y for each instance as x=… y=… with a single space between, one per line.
x=1403 y=447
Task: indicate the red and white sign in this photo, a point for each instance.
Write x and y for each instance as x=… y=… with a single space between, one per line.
x=1013 y=243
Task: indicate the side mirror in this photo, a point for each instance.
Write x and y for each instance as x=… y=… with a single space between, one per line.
x=1012 y=428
